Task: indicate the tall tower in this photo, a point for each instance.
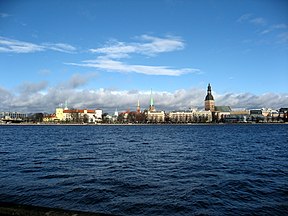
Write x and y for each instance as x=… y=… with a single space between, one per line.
x=151 y=107
x=209 y=100
x=138 y=109
x=66 y=105
x=116 y=113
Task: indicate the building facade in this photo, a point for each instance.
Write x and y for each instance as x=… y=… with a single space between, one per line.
x=154 y=116
x=75 y=115
x=190 y=116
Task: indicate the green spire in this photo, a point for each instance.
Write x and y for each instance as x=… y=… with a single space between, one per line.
x=151 y=107
x=151 y=100
x=66 y=105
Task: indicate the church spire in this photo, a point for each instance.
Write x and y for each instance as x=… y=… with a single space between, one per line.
x=209 y=95
x=151 y=107
x=138 y=107
x=66 y=105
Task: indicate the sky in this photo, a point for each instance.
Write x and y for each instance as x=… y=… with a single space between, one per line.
x=109 y=54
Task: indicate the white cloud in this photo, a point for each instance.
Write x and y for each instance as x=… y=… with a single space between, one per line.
x=278 y=31
x=249 y=100
x=117 y=66
x=77 y=80
x=4 y=15
x=244 y=17
x=274 y=28
x=108 y=100
x=31 y=88
x=283 y=38
x=150 y=46
x=15 y=46
x=258 y=21
x=250 y=18
x=280 y=26
x=61 y=47
x=146 y=45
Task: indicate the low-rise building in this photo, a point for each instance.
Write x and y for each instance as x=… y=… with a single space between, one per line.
x=221 y=112
x=12 y=117
x=190 y=116
x=155 y=116
x=75 y=115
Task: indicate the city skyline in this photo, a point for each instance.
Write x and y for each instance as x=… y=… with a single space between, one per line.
x=110 y=54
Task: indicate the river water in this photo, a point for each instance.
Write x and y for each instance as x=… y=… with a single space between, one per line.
x=147 y=170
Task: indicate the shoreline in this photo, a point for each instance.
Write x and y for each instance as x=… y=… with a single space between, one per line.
x=9 y=209
x=135 y=124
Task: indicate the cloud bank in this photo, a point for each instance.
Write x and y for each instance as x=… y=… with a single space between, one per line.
x=38 y=97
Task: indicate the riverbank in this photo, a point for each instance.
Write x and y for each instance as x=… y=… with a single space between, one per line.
x=9 y=209
x=136 y=124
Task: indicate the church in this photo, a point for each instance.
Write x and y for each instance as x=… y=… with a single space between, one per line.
x=218 y=112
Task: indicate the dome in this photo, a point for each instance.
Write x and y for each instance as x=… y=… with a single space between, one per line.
x=209 y=94
x=209 y=97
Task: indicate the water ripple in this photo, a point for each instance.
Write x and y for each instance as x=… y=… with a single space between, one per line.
x=148 y=170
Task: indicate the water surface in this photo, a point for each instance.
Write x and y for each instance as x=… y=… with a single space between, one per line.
x=147 y=170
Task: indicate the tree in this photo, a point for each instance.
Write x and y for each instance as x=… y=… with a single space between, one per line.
x=86 y=118
x=75 y=116
x=36 y=117
x=105 y=118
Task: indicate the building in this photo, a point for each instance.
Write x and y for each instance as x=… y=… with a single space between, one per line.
x=13 y=116
x=154 y=116
x=221 y=112
x=209 y=103
x=239 y=116
x=50 y=118
x=190 y=116
x=75 y=115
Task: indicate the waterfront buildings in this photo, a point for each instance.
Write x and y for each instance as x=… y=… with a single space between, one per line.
x=156 y=116
x=153 y=115
x=193 y=115
x=210 y=113
x=12 y=117
x=190 y=116
x=75 y=115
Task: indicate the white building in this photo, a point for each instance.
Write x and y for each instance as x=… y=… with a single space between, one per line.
x=190 y=116
x=77 y=115
x=156 y=116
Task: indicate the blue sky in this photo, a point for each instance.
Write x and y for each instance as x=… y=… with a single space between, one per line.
x=109 y=53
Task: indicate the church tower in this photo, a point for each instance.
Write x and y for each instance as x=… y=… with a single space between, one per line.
x=151 y=107
x=138 y=109
x=209 y=100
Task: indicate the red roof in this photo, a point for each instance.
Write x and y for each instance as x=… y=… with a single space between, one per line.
x=78 y=111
